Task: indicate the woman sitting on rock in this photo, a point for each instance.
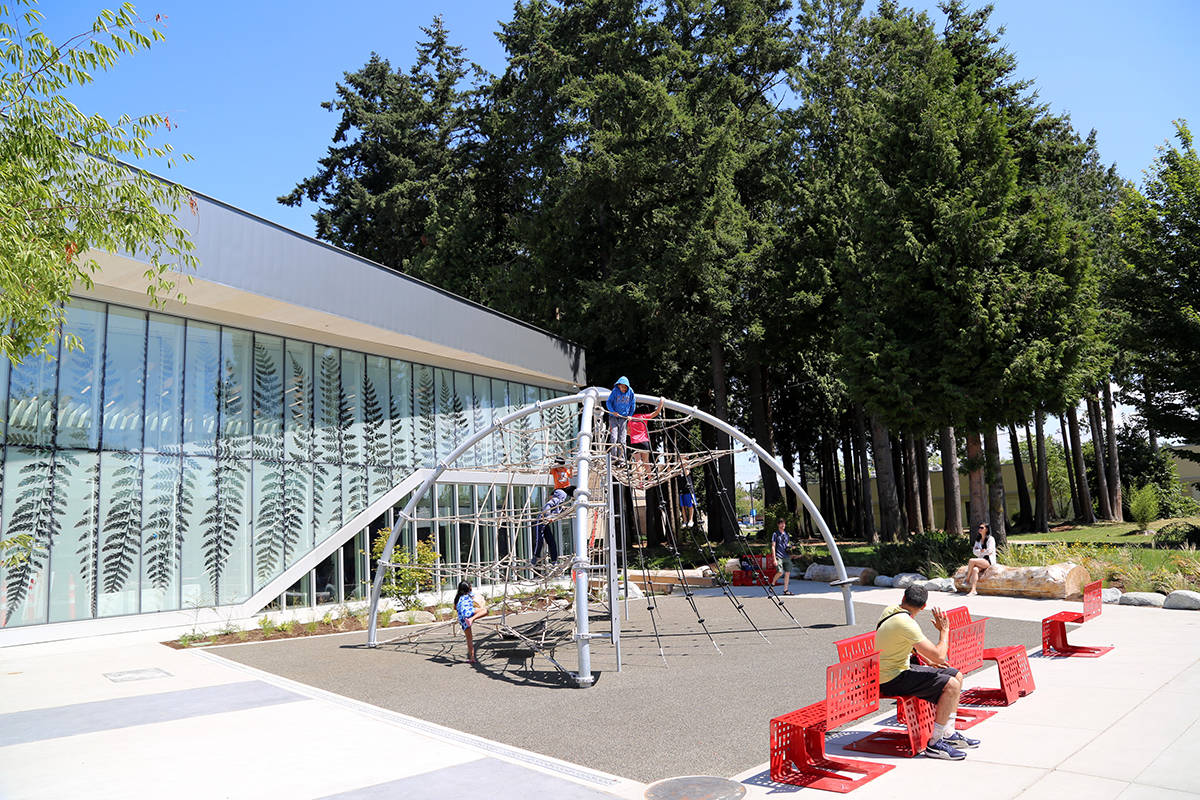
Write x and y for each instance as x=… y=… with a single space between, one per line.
x=984 y=548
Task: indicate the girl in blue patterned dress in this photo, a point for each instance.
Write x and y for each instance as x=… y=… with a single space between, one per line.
x=469 y=608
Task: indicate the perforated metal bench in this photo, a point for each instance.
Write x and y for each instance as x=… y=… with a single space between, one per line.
x=764 y=575
x=1016 y=679
x=798 y=738
x=915 y=714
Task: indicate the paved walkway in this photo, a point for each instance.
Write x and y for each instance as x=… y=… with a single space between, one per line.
x=125 y=717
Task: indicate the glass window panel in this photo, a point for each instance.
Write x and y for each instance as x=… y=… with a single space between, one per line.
x=298 y=402
x=499 y=409
x=518 y=449
x=354 y=567
x=124 y=379
x=268 y=397
x=380 y=480
x=376 y=415
x=78 y=381
x=227 y=538
x=119 y=584
x=4 y=367
x=327 y=406
x=237 y=381
x=403 y=427
x=484 y=510
x=452 y=415
x=272 y=539
x=73 y=556
x=463 y=397
x=162 y=532
x=327 y=499
x=481 y=414
x=298 y=509
x=425 y=414
x=31 y=403
x=468 y=545
x=202 y=349
x=537 y=449
x=29 y=479
x=446 y=534
x=354 y=489
x=350 y=413
x=164 y=383
x=520 y=499
x=197 y=495
x=326 y=583
x=300 y=593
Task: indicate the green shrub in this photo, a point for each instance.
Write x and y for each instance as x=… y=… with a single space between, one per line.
x=1143 y=505
x=926 y=552
x=267 y=626
x=1177 y=536
x=404 y=583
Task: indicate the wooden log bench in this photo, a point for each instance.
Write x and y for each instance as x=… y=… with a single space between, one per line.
x=1052 y=582
x=1054 y=627
x=798 y=754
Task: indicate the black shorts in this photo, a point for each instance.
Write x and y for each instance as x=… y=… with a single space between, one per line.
x=639 y=445
x=919 y=681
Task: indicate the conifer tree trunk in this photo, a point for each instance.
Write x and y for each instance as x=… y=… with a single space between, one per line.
x=1102 y=496
x=1085 y=494
x=808 y=522
x=850 y=475
x=1042 y=482
x=1025 y=520
x=979 y=508
x=885 y=475
x=760 y=421
x=1065 y=430
x=921 y=449
x=789 y=463
x=1116 y=502
x=720 y=527
x=864 y=476
x=835 y=485
x=912 y=491
x=997 y=514
x=951 y=488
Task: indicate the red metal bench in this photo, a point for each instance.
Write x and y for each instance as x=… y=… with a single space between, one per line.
x=965 y=653
x=764 y=575
x=798 y=738
x=915 y=714
x=1054 y=628
x=1016 y=679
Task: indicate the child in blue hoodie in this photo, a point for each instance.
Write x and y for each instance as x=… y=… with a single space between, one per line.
x=620 y=405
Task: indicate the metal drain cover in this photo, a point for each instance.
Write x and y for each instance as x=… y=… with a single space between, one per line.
x=696 y=787
x=137 y=675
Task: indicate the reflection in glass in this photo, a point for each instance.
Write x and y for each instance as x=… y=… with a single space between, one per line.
x=326 y=583
x=445 y=510
x=468 y=546
x=79 y=377
x=124 y=379
x=31 y=403
x=164 y=383
x=300 y=593
x=268 y=397
x=203 y=345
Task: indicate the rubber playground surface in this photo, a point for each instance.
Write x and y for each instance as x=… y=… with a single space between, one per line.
x=701 y=706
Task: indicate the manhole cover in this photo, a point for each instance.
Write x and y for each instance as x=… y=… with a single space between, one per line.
x=696 y=787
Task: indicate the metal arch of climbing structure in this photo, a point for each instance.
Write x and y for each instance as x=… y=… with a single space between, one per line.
x=589 y=398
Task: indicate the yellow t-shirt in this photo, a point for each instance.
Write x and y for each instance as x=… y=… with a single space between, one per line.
x=894 y=640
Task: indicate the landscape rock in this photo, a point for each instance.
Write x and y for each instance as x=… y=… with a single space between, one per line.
x=904 y=579
x=417 y=617
x=635 y=591
x=827 y=573
x=1142 y=599
x=1112 y=595
x=886 y=581
x=940 y=584
x=1055 y=581
x=1183 y=599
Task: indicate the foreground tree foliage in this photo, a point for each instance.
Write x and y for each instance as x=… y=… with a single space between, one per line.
x=905 y=246
x=64 y=195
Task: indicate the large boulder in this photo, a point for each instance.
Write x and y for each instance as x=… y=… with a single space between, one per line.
x=1183 y=599
x=828 y=572
x=1143 y=599
x=904 y=579
x=940 y=585
x=1056 y=581
x=1111 y=595
x=886 y=581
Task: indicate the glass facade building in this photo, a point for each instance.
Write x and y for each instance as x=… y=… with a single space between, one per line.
x=173 y=463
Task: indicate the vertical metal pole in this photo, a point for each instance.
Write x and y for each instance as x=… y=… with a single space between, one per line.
x=583 y=516
x=612 y=526
x=614 y=612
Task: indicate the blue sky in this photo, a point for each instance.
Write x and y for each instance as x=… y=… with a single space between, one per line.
x=244 y=81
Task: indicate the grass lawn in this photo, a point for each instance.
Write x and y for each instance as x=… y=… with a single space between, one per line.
x=1105 y=532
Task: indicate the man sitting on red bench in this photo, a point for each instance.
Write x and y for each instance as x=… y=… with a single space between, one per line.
x=897 y=636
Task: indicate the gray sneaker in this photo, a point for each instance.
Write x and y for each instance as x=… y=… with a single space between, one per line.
x=961 y=742
x=941 y=749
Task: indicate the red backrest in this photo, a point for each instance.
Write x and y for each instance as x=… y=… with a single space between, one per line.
x=851 y=689
x=965 y=652
x=855 y=646
x=959 y=616
x=1091 y=600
